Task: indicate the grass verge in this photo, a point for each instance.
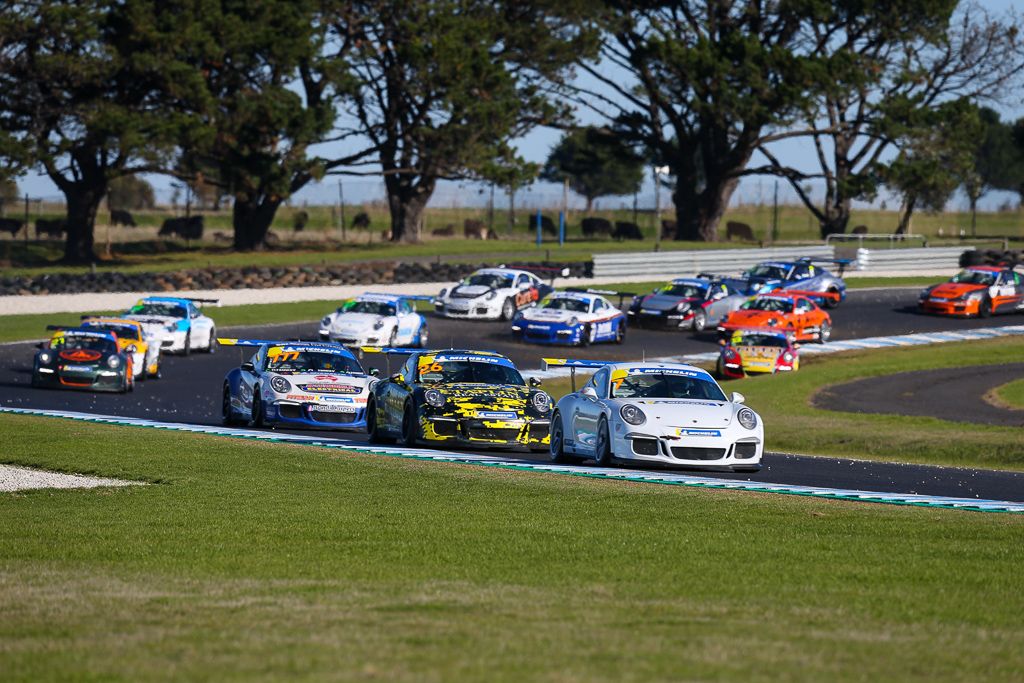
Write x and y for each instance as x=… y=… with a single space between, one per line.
x=251 y=560
x=1009 y=395
x=794 y=425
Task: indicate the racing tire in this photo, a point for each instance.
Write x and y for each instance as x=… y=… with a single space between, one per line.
x=372 y=428
x=587 y=335
x=123 y=389
x=985 y=308
x=700 y=321
x=410 y=426
x=828 y=302
x=424 y=337
x=188 y=344
x=824 y=332
x=556 y=446
x=159 y=372
x=508 y=309
x=393 y=339
x=603 y=448
x=226 y=414
x=719 y=369
x=211 y=344
x=620 y=333
x=257 y=409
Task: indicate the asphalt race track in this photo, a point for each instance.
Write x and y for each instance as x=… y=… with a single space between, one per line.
x=950 y=394
x=190 y=390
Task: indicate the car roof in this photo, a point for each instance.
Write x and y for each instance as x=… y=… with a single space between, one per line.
x=778 y=264
x=168 y=299
x=703 y=284
x=378 y=298
x=127 y=322
x=83 y=332
x=988 y=269
x=502 y=271
x=670 y=368
x=320 y=347
x=469 y=355
x=579 y=296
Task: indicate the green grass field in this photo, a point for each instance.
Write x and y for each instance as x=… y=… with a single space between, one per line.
x=794 y=425
x=135 y=250
x=1009 y=395
x=256 y=561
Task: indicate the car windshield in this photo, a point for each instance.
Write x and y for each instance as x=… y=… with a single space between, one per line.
x=122 y=331
x=768 y=304
x=682 y=291
x=566 y=304
x=489 y=280
x=373 y=307
x=654 y=385
x=65 y=342
x=286 y=362
x=766 y=271
x=469 y=372
x=162 y=308
x=975 y=277
x=754 y=339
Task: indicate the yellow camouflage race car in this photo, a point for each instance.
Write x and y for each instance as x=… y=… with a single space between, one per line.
x=458 y=397
x=145 y=357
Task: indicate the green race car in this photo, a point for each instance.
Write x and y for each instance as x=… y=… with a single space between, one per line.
x=470 y=398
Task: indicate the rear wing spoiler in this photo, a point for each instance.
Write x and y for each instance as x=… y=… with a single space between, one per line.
x=215 y=302
x=548 y=272
x=843 y=263
x=230 y=341
x=603 y=292
x=572 y=364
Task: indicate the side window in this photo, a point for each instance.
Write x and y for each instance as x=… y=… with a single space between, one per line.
x=521 y=280
x=409 y=370
x=405 y=306
x=601 y=383
x=1016 y=279
x=596 y=305
x=803 y=305
x=193 y=312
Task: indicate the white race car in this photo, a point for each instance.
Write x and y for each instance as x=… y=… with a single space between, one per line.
x=491 y=294
x=175 y=323
x=665 y=413
x=377 y=320
x=572 y=318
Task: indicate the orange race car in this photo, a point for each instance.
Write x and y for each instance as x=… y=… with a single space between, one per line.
x=978 y=290
x=783 y=310
x=130 y=333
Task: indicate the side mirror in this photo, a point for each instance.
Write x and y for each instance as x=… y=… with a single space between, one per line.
x=721 y=342
x=397 y=378
x=41 y=345
x=534 y=382
x=131 y=348
x=248 y=366
x=737 y=397
x=373 y=372
x=589 y=392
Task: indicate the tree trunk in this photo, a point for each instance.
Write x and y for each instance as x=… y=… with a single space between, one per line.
x=699 y=213
x=836 y=217
x=974 y=215
x=83 y=203
x=251 y=219
x=406 y=200
x=590 y=205
x=906 y=211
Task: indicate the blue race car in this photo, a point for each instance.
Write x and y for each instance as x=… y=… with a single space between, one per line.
x=311 y=384
x=573 y=318
x=801 y=275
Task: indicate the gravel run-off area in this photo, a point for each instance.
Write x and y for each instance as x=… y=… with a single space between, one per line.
x=23 y=478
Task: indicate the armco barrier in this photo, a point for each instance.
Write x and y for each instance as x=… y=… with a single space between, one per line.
x=909 y=260
x=684 y=263
x=680 y=263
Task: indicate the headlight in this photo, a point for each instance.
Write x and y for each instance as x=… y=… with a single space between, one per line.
x=326 y=321
x=440 y=295
x=924 y=293
x=280 y=384
x=574 y=321
x=971 y=296
x=434 y=398
x=632 y=414
x=173 y=327
x=541 y=402
x=682 y=307
x=491 y=294
x=45 y=357
x=747 y=418
x=379 y=324
x=788 y=357
x=114 y=362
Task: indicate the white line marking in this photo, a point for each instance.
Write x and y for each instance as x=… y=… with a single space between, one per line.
x=657 y=477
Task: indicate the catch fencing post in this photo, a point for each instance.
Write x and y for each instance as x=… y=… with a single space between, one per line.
x=540 y=239
x=561 y=228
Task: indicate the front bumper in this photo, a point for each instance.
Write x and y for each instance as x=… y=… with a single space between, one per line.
x=467 y=308
x=173 y=342
x=525 y=433
x=94 y=380
x=543 y=333
x=733 y=448
x=953 y=307
x=345 y=338
x=316 y=415
x=666 y=319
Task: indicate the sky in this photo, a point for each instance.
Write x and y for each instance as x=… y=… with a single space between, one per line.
x=535 y=147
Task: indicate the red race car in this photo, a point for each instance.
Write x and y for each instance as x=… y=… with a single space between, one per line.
x=785 y=310
x=977 y=290
x=757 y=351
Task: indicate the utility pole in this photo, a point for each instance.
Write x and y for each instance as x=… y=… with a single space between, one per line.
x=341 y=208
x=775 y=213
x=490 y=212
x=26 y=218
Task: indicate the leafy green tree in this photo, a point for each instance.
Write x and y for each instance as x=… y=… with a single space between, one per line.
x=997 y=162
x=90 y=91
x=936 y=154
x=890 y=61
x=130 y=192
x=701 y=84
x=444 y=85
x=596 y=163
x=273 y=75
